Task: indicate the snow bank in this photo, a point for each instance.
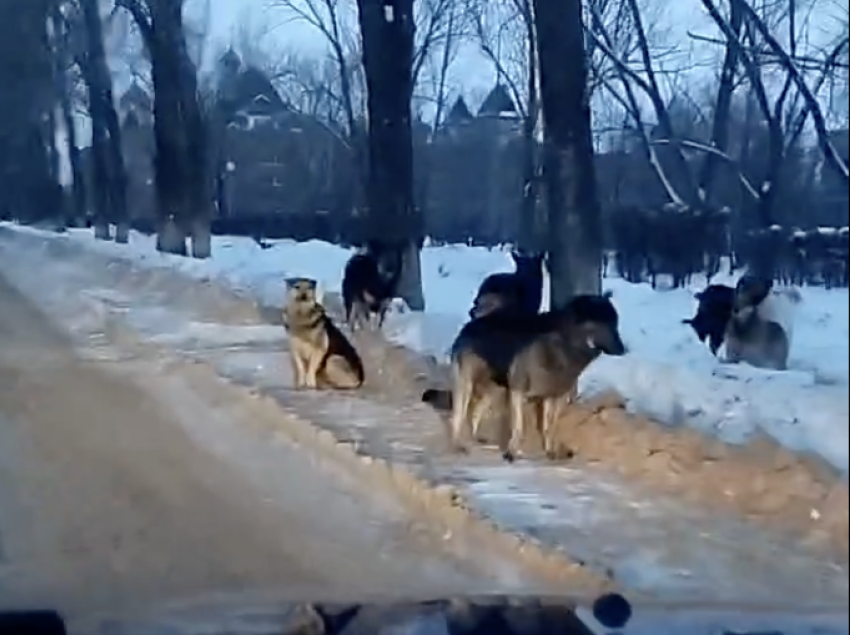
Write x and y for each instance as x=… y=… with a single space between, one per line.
x=668 y=375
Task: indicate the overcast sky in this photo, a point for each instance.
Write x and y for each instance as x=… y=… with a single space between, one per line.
x=471 y=71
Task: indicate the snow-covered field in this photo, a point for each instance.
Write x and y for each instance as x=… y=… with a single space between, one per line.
x=668 y=375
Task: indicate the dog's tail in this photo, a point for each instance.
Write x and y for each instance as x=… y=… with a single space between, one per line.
x=438 y=399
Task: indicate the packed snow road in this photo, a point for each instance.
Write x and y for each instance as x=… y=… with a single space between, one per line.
x=109 y=500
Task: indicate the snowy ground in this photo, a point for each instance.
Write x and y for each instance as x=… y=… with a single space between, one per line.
x=668 y=374
x=669 y=549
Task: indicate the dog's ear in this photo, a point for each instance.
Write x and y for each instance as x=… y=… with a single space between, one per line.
x=608 y=294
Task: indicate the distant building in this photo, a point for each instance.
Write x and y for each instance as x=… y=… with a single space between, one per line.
x=137 y=104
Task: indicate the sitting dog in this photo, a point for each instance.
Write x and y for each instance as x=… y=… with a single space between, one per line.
x=759 y=342
x=322 y=357
x=752 y=335
x=718 y=303
x=751 y=291
x=522 y=289
x=368 y=286
x=532 y=358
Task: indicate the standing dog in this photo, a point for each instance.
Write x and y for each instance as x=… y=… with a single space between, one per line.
x=322 y=357
x=535 y=358
x=368 y=286
x=522 y=289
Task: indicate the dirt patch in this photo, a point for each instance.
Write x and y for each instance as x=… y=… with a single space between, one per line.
x=435 y=509
x=761 y=480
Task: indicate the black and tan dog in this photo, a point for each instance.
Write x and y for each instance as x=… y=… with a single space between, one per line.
x=517 y=359
x=369 y=284
x=522 y=289
x=322 y=357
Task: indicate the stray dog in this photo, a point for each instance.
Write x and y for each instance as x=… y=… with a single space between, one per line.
x=322 y=357
x=751 y=336
x=759 y=342
x=535 y=358
x=715 y=309
x=368 y=286
x=751 y=291
x=522 y=289
x=718 y=303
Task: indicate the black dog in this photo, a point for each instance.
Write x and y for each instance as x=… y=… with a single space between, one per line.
x=369 y=285
x=716 y=303
x=522 y=289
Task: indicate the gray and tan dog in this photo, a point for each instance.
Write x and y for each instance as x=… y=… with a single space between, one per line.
x=519 y=359
x=751 y=335
x=322 y=357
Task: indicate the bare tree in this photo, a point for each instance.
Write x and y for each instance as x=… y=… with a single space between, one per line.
x=65 y=76
x=109 y=182
x=574 y=217
x=387 y=30
x=182 y=163
x=334 y=21
x=753 y=47
x=28 y=190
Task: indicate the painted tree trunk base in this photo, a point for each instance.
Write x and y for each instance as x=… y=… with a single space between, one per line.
x=122 y=233
x=410 y=282
x=101 y=231
x=170 y=238
x=201 y=239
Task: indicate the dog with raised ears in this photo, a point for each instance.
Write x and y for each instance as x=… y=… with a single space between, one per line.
x=522 y=289
x=322 y=357
x=759 y=342
x=546 y=371
x=369 y=284
x=753 y=333
x=533 y=359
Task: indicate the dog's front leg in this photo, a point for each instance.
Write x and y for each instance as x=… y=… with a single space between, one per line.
x=314 y=367
x=298 y=370
x=482 y=407
x=517 y=408
x=550 y=409
x=461 y=397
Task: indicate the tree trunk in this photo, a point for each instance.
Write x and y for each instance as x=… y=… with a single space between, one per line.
x=201 y=238
x=122 y=232
x=170 y=237
x=722 y=108
x=531 y=232
x=575 y=249
x=78 y=185
x=77 y=213
x=102 y=110
x=181 y=162
x=102 y=230
x=393 y=221
x=410 y=283
x=27 y=77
